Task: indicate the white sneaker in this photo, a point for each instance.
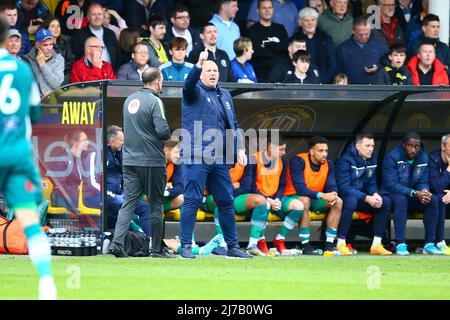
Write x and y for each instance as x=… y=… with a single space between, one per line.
x=47 y=288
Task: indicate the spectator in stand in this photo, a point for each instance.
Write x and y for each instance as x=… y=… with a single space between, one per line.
x=340 y=79
x=319 y=5
x=72 y=14
x=391 y=31
x=177 y=69
x=430 y=33
x=395 y=73
x=14 y=42
x=61 y=45
x=127 y=40
x=136 y=14
x=133 y=69
x=270 y=40
x=285 y=68
x=359 y=57
x=31 y=15
x=208 y=35
x=301 y=60
x=227 y=29
x=180 y=19
x=337 y=22
x=285 y=13
x=242 y=69
x=47 y=65
x=425 y=68
x=157 y=49
x=408 y=14
x=95 y=28
x=107 y=21
x=10 y=12
x=319 y=44
x=91 y=67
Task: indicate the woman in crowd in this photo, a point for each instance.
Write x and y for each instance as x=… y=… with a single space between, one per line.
x=61 y=45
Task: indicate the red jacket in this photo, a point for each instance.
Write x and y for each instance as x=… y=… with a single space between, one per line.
x=439 y=76
x=83 y=70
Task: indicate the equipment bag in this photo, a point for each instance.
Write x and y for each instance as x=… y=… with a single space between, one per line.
x=12 y=238
x=136 y=244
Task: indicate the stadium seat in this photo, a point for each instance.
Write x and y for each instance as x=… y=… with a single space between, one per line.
x=47 y=187
x=175 y=215
x=82 y=208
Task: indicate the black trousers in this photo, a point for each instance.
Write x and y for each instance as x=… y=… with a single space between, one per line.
x=152 y=182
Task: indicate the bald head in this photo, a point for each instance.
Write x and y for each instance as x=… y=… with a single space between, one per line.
x=210 y=74
x=92 y=47
x=152 y=79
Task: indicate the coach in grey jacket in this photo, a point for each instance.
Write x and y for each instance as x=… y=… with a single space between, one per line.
x=144 y=164
x=47 y=65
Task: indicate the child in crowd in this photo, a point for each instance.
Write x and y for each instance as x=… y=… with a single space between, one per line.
x=301 y=60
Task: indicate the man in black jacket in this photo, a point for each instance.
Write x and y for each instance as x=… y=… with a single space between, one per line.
x=269 y=40
x=319 y=44
x=284 y=68
x=95 y=28
x=208 y=36
x=144 y=163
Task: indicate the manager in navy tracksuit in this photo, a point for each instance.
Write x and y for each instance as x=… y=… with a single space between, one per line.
x=439 y=167
x=205 y=107
x=406 y=182
x=357 y=184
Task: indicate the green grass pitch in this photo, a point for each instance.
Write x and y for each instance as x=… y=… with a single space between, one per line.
x=206 y=278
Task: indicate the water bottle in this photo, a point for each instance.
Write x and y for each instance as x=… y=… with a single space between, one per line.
x=106 y=242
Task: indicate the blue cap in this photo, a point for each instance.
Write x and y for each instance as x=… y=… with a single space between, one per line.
x=43 y=34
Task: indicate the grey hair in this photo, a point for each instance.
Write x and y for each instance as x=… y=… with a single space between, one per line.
x=112 y=132
x=445 y=138
x=308 y=12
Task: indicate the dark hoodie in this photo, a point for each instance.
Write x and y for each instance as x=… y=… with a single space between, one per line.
x=401 y=177
x=356 y=176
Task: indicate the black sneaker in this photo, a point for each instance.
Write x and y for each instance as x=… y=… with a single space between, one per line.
x=238 y=253
x=186 y=252
x=162 y=254
x=117 y=251
x=308 y=250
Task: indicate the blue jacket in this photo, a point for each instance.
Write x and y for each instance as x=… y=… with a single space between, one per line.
x=243 y=73
x=439 y=175
x=172 y=71
x=402 y=178
x=356 y=177
x=23 y=16
x=296 y=168
x=201 y=104
x=177 y=181
x=352 y=58
x=114 y=172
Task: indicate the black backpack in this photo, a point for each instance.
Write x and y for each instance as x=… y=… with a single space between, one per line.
x=137 y=244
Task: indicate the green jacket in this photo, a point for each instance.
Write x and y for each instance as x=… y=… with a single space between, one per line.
x=339 y=30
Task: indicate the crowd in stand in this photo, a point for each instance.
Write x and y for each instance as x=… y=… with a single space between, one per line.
x=286 y=41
